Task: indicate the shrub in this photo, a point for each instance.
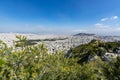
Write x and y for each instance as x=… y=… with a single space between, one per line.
x=24 y=62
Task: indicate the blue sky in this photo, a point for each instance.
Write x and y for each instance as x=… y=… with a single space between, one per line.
x=60 y=16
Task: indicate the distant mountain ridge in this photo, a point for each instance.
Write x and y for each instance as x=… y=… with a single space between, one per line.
x=84 y=34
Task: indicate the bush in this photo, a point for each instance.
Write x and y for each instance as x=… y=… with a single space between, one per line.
x=112 y=69
x=24 y=62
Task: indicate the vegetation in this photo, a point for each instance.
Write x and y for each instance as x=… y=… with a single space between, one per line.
x=24 y=62
x=94 y=48
x=112 y=70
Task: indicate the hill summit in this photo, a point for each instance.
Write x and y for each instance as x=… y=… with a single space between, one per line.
x=84 y=34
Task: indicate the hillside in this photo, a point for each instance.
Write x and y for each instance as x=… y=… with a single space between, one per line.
x=96 y=48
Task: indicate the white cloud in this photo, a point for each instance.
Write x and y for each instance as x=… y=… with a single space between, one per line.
x=105 y=29
x=101 y=26
x=118 y=29
x=114 y=17
x=108 y=26
x=79 y=30
x=98 y=24
x=104 y=19
x=109 y=18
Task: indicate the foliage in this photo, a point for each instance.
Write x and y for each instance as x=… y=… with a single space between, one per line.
x=112 y=70
x=24 y=62
x=95 y=47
